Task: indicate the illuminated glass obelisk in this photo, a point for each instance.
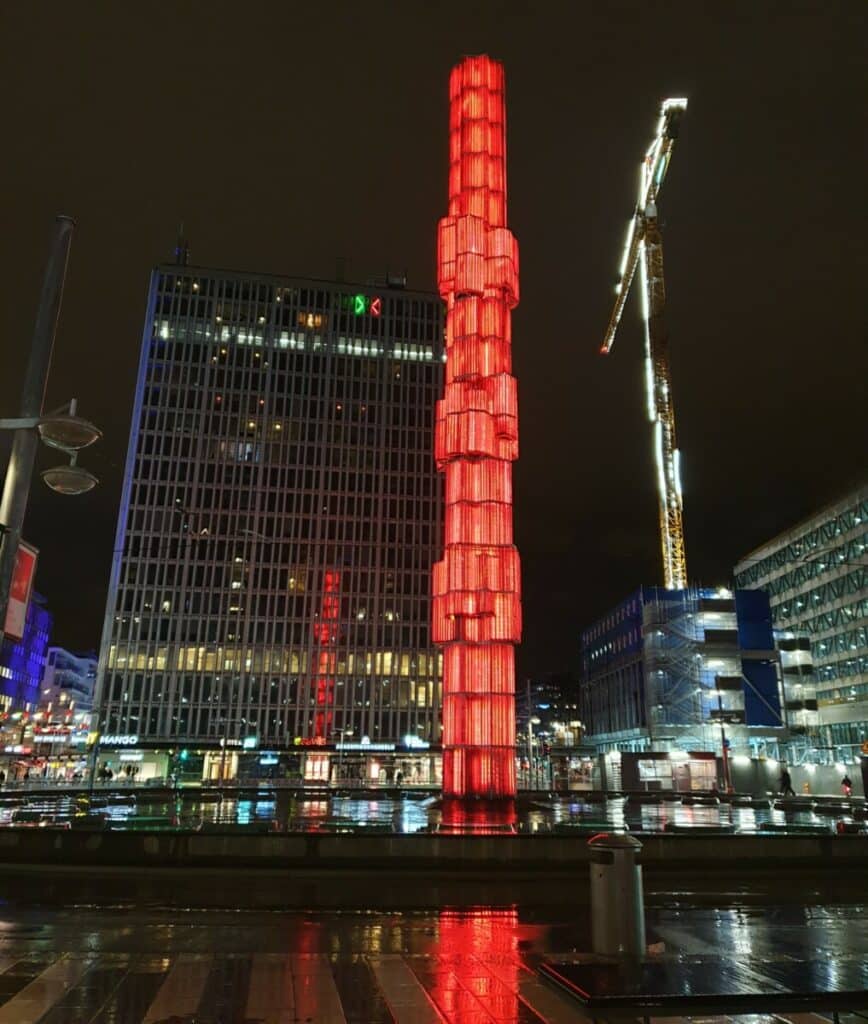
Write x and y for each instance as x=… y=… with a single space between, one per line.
x=477 y=601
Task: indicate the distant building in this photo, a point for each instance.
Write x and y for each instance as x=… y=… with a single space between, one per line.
x=68 y=680
x=816 y=576
x=554 y=700
x=22 y=661
x=682 y=670
x=278 y=524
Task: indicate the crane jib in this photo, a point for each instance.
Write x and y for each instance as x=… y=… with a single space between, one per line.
x=643 y=248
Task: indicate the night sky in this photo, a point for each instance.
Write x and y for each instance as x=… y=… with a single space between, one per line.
x=286 y=135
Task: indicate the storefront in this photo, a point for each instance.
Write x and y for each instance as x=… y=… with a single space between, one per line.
x=681 y=771
x=307 y=762
x=412 y=763
x=574 y=769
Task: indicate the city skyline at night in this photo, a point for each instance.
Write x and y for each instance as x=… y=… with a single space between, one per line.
x=767 y=369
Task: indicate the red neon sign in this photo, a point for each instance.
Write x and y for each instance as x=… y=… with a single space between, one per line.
x=477 y=606
x=376 y=306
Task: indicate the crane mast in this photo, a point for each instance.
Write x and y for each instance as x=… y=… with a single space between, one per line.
x=643 y=249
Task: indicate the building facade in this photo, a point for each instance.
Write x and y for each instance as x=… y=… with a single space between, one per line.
x=68 y=680
x=22 y=661
x=816 y=576
x=676 y=670
x=279 y=521
x=800 y=685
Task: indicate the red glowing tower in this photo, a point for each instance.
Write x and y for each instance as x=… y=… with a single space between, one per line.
x=477 y=609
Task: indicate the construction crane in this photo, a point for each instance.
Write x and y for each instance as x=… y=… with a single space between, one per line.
x=644 y=248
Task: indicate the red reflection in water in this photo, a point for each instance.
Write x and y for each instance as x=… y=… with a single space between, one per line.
x=478 y=816
x=476 y=978
x=311 y=814
x=307 y=972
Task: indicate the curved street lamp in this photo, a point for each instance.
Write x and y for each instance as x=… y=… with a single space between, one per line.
x=64 y=430
x=60 y=429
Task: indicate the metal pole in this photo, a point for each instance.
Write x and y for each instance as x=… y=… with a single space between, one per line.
x=724 y=753
x=529 y=738
x=16 y=489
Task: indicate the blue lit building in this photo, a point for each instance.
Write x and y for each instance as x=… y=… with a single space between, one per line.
x=22 y=661
x=670 y=670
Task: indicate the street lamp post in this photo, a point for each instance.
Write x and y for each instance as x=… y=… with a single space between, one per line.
x=67 y=432
x=342 y=735
x=531 y=768
x=724 y=745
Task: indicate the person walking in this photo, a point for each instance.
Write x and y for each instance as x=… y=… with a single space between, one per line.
x=847 y=785
x=786 y=783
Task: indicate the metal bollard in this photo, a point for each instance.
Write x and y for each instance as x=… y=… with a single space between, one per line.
x=617 y=900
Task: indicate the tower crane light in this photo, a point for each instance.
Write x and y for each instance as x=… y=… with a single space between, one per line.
x=643 y=248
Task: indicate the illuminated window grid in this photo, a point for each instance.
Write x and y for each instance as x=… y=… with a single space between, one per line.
x=262 y=453
x=816 y=575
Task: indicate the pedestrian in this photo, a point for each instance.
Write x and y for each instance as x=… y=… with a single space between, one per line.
x=2 y=776
x=786 y=783
x=27 y=775
x=847 y=785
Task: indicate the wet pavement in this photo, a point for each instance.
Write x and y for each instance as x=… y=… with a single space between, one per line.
x=125 y=954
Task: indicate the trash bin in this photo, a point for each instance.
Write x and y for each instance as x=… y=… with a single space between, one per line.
x=617 y=900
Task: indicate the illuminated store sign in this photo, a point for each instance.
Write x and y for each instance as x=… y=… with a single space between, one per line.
x=366 y=747
x=114 y=740
x=415 y=742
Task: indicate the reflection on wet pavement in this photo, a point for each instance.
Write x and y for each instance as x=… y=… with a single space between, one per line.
x=63 y=961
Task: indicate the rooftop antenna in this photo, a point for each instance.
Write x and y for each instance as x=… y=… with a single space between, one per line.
x=182 y=248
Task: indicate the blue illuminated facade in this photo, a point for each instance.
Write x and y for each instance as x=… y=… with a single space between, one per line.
x=22 y=661
x=669 y=669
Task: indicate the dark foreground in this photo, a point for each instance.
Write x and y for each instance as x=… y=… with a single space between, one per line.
x=216 y=950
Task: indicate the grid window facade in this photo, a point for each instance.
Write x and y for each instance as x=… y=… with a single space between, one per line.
x=816 y=576
x=280 y=514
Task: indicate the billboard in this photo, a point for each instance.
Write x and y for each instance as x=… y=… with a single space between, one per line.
x=19 y=590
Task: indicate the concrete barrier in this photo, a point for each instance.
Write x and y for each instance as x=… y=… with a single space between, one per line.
x=565 y=855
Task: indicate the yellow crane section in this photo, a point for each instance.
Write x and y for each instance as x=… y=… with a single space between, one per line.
x=644 y=248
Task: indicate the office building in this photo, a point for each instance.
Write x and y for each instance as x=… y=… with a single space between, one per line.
x=68 y=680
x=816 y=576
x=277 y=529
x=550 y=704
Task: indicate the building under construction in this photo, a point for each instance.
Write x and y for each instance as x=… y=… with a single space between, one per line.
x=693 y=669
